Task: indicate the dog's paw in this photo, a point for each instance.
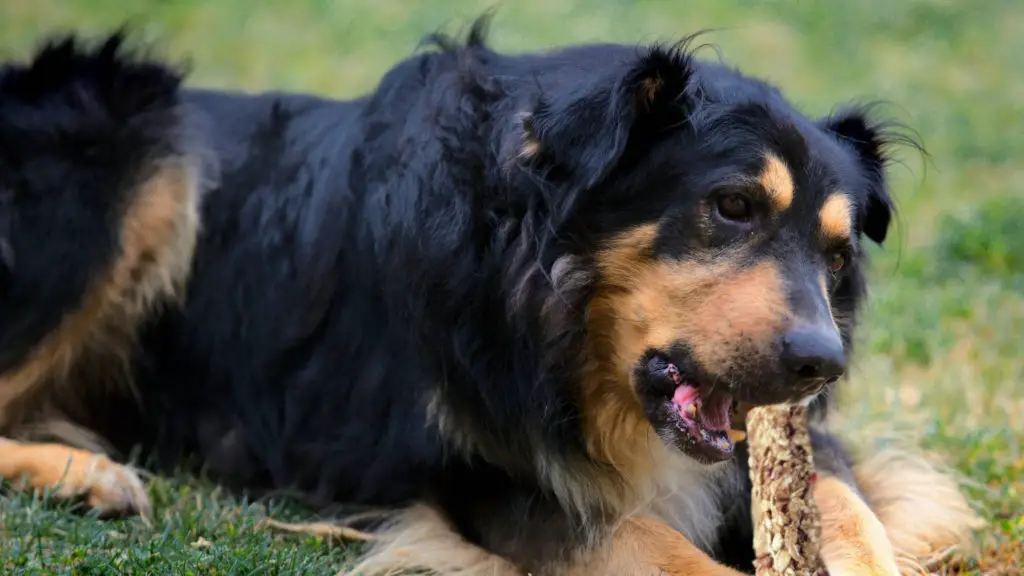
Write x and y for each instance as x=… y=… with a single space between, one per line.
x=110 y=488
x=853 y=540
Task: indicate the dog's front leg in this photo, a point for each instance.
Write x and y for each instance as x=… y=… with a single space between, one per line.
x=643 y=546
x=106 y=486
x=853 y=540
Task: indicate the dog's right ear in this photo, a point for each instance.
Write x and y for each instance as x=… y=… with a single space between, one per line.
x=585 y=128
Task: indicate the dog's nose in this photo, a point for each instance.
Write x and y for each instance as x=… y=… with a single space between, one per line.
x=811 y=353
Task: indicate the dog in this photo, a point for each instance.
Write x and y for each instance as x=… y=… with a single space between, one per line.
x=518 y=301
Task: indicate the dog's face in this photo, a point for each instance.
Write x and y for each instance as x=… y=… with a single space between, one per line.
x=727 y=237
x=730 y=296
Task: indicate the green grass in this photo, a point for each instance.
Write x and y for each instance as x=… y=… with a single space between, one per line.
x=941 y=361
x=195 y=530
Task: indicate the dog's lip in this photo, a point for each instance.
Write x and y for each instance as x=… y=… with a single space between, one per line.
x=707 y=428
x=702 y=417
x=809 y=390
x=658 y=360
x=742 y=401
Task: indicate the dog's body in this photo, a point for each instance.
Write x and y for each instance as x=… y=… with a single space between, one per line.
x=456 y=298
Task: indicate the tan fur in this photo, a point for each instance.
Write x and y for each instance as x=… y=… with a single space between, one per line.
x=421 y=539
x=649 y=89
x=640 y=304
x=925 y=515
x=531 y=148
x=644 y=546
x=688 y=496
x=441 y=417
x=853 y=541
x=585 y=488
x=158 y=237
x=777 y=181
x=917 y=515
x=836 y=217
x=157 y=240
x=678 y=490
x=531 y=145
x=47 y=425
x=107 y=487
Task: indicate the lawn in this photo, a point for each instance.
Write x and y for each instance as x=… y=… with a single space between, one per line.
x=941 y=361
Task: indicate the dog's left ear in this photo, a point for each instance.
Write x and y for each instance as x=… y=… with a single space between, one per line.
x=868 y=141
x=586 y=127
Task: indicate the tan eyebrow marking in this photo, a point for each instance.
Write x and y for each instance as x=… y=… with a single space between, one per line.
x=777 y=181
x=836 y=217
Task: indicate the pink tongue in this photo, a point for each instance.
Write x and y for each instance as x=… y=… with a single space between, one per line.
x=683 y=397
x=712 y=412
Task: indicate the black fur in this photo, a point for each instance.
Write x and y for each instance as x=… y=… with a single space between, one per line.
x=76 y=129
x=362 y=264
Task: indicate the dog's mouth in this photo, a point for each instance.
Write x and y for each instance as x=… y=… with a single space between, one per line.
x=700 y=421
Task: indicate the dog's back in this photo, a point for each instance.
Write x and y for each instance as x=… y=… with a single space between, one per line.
x=172 y=277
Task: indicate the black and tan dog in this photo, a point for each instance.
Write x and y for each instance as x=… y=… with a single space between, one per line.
x=514 y=299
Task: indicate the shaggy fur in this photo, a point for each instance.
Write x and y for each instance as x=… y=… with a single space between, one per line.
x=444 y=299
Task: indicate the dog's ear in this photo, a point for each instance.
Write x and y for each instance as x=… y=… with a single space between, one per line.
x=869 y=142
x=586 y=126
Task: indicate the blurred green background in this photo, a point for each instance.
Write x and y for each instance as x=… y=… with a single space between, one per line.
x=941 y=359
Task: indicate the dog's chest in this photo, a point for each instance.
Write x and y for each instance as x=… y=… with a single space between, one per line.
x=693 y=498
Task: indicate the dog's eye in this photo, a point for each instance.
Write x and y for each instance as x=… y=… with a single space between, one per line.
x=836 y=261
x=735 y=207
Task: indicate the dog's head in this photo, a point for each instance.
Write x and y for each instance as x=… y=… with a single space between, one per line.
x=726 y=234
